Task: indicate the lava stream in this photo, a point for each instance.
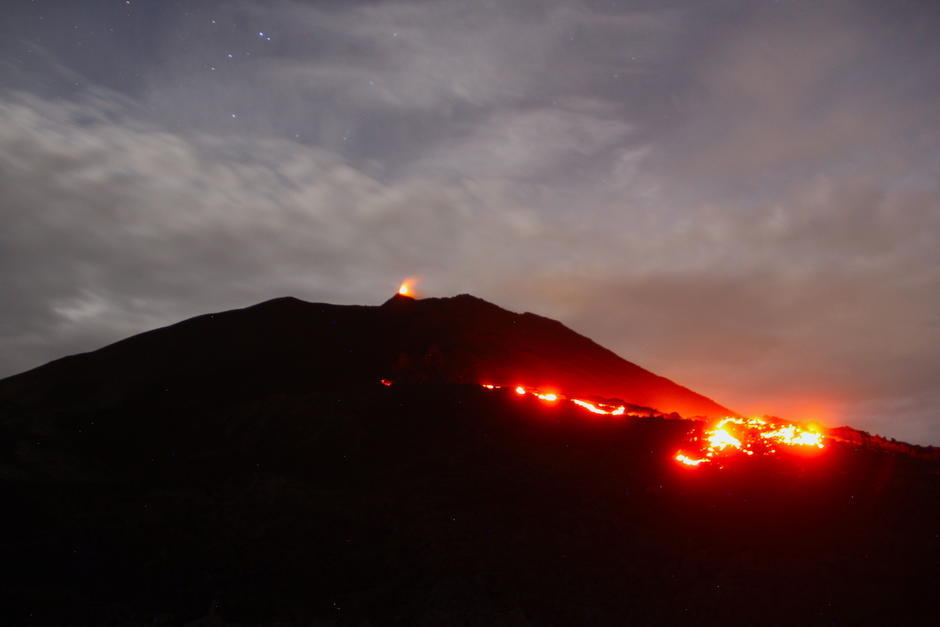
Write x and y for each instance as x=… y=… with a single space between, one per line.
x=727 y=437
x=732 y=436
x=594 y=408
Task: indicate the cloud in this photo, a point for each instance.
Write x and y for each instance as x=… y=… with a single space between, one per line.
x=743 y=198
x=822 y=305
x=115 y=225
x=526 y=145
x=444 y=55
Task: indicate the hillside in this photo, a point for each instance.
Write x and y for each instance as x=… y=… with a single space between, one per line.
x=288 y=344
x=249 y=468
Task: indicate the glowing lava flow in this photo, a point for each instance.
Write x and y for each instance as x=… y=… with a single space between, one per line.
x=748 y=436
x=688 y=461
x=595 y=408
x=727 y=437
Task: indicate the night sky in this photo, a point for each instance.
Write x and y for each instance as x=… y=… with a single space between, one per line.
x=743 y=196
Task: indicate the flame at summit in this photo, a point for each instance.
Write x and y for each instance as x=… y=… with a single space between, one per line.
x=407 y=287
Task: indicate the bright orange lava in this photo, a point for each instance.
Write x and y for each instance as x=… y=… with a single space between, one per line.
x=688 y=461
x=605 y=410
x=594 y=408
x=724 y=438
x=749 y=436
x=407 y=287
x=721 y=439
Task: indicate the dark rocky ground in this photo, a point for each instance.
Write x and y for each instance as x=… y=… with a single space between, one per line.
x=232 y=478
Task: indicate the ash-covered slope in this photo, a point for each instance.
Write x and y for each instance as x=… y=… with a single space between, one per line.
x=287 y=345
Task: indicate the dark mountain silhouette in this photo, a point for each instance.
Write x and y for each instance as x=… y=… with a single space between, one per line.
x=290 y=344
x=249 y=468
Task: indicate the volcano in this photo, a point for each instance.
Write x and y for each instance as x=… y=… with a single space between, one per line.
x=436 y=462
x=290 y=345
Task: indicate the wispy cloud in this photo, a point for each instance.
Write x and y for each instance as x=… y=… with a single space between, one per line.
x=743 y=198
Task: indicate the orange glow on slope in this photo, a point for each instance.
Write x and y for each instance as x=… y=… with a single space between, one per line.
x=789 y=435
x=719 y=439
x=688 y=461
x=600 y=408
x=749 y=436
x=594 y=408
x=727 y=437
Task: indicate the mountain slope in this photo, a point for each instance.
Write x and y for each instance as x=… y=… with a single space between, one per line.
x=357 y=504
x=286 y=344
x=248 y=468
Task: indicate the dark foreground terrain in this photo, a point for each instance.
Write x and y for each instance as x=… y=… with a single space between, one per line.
x=174 y=490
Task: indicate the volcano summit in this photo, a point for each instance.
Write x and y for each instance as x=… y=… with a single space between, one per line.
x=250 y=467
